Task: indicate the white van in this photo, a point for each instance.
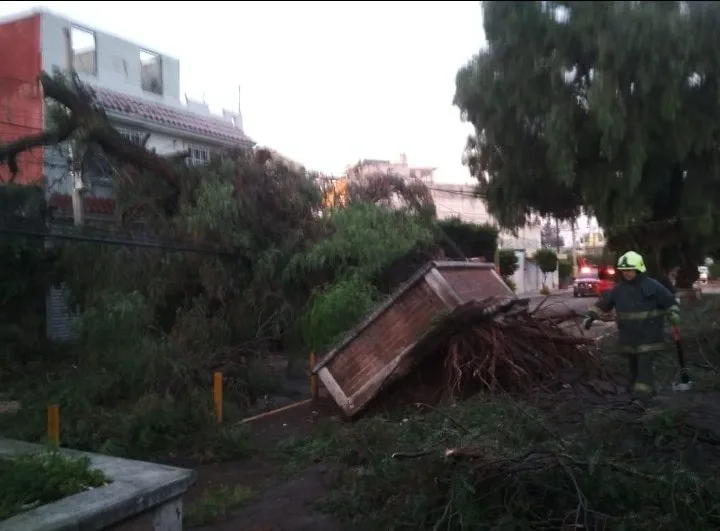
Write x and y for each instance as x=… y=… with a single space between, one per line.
x=703 y=273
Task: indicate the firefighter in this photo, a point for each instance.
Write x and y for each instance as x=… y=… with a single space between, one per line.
x=641 y=304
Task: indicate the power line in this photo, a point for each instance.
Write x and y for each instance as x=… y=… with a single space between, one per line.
x=107 y=238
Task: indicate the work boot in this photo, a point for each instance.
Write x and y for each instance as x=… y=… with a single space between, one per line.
x=644 y=384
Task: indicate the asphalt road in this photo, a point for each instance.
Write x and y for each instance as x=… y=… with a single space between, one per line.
x=562 y=303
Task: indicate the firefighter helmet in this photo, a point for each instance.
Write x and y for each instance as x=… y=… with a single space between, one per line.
x=631 y=261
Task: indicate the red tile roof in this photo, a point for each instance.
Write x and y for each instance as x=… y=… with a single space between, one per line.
x=169 y=116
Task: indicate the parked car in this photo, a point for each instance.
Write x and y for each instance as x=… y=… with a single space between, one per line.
x=587 y=282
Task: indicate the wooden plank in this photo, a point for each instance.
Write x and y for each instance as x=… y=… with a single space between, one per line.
x=442 y=289
x=275 y=411
x=334 y=389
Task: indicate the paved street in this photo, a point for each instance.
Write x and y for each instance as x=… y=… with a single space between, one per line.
x=562 y=303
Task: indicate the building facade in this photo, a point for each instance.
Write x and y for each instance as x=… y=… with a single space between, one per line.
x=139 y=90
x=459 y=201
x=451 y=200
x=399 y=167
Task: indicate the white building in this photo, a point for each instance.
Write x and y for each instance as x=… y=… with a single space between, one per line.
x=460 y=201
x=139 y=89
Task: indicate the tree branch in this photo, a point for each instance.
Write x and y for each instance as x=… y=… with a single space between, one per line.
x=98 y=129
x=10 y=151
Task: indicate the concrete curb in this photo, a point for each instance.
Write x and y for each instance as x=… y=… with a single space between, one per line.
x=136 y=489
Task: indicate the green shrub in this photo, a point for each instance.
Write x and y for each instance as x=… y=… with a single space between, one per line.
x=565 y=269
x=474 y=239
x=714 y=270
x=508 y=262
x=336 y=309
x=28 y=481
x=130 y=393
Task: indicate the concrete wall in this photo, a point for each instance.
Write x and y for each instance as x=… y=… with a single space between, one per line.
x=117 y=61
x=457 y=200
x=528 y=277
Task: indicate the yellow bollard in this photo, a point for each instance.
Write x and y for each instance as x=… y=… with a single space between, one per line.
x=53 y=424
x=314 y=388
x=218 y=396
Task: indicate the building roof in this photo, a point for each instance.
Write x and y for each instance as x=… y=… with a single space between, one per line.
x=183 y=120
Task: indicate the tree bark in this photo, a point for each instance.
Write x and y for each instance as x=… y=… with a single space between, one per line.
x=94 y=123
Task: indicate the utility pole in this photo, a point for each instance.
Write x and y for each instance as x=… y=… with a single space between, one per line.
x=573 y=253
x=73 y=175
x=77 y=187
x=557 y=236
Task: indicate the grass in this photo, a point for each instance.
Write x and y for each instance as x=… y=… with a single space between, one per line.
x=31 y=480
x=216 y=504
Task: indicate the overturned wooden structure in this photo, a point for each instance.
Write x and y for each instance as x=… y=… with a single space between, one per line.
x=382 y=348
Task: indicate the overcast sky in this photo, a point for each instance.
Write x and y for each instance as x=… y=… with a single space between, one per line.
x=325 y=83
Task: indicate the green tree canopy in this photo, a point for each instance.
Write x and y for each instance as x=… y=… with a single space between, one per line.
x=611 y=108
x=474 y=239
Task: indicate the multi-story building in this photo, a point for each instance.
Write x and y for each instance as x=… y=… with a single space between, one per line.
x=399 y=167
x=139 y=90
x=592 y=240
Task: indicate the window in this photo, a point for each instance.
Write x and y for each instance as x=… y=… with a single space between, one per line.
x=134 y=136
x=84 y=53
x=151 y=72
x=198 y=156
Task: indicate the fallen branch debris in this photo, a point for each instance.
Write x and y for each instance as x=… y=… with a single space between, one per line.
x=491 y=346
x=514 y=353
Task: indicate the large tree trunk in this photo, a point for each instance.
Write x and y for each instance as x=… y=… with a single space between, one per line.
x=688 y=272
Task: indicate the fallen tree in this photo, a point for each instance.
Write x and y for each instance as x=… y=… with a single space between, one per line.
x=153 y=325
x=491 y=347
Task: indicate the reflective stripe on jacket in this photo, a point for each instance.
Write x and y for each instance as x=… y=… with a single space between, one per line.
x=641 y=306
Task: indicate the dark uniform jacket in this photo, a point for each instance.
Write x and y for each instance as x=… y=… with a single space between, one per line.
x=641 y=306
